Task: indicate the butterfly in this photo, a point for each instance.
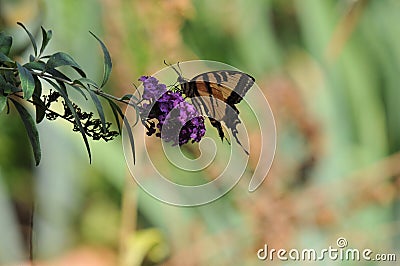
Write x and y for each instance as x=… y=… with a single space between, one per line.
x=208 y=89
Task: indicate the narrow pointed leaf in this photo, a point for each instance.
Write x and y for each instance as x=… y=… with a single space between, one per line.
x=3 y=83
x=40 y=109
x=63 y=87
x=116 y=111
x=46 y=37
x=5 y=87
x=131 y=139
x=88 y=82
x=80 y=83
x=99 y=108
x=137 y=118
x=38 y=87
x=77 y=82
x=3 y=102
x=5 y=43
x=33 y=41
x=31 y=129
x=63 y=59
x=61 y=77
x=4 y=58
x=9 y=76
x=37 y=65
x=129 y=97
x=78 y=89
x=107 y=61
x=37 y=101
x=27 y=81
x=77 y=120
x=6 y=82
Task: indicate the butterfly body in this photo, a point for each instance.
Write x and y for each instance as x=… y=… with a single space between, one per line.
x=215 y=95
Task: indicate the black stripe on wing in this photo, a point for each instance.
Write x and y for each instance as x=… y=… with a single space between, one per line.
x=233 y=85
x=243 y=85
x=238 y=82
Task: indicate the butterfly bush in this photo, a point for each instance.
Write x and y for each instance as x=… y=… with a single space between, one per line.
x=167 y=115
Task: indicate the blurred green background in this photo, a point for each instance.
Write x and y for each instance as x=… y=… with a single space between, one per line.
x=330 y=70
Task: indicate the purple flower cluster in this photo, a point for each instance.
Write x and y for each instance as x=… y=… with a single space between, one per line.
x=152 y=89
x=177 y=120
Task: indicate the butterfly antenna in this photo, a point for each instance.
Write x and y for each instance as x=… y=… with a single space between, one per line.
x=176 y=71
x=165 y=63
x=180 y=78
x=179 y=67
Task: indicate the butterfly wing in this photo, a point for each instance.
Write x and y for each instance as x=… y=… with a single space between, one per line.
x=215 y=86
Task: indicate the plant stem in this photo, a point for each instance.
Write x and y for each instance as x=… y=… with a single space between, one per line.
x=128 y=219
x=49 y=110
x=31 y=232
x=71 y=83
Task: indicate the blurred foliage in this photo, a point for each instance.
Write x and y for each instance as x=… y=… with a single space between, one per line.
x=25 y=83
x=330 y=72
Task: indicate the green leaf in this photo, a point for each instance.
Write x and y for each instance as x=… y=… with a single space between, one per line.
x=107 y=61
x=116 y=111
x=31 y=129
x=131 y=139
x=81 y=83
x=5 y=43
x=87 y=81
x=77 y=88
x=62 y=86
x=3 y=82
x=27 y=81
x=63 y=59
x=6 y=82
x=76 y=117
x=99 y=108
x=3 y=102
x=4 y=86
x=37 y=65
x=37 y=101
x=4 y=58
x=33 y=41
x=38 y=87
x=46 y=37
x=129 y=97
x=40 y=108
x=137 y=118
x=58 y=74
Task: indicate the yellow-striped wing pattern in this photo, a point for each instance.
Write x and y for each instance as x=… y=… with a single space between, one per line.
x=225 y=85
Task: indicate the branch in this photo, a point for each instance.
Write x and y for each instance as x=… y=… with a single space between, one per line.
x=47 y=109
x=71 y=83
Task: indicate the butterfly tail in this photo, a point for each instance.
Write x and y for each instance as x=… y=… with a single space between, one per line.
x=234 y=133
x=232 y=120
x=215 y=123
